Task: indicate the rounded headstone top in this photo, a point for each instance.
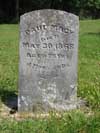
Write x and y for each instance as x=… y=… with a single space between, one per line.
x=49 y=16
x=54 y=11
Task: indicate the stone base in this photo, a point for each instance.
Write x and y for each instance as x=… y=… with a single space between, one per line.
x=51 y=106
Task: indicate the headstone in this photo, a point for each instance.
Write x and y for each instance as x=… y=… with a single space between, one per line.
x=48 y=61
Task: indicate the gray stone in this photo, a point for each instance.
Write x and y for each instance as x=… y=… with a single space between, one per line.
x=48 y=61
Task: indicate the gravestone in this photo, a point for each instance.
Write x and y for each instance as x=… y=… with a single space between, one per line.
x=48 y=61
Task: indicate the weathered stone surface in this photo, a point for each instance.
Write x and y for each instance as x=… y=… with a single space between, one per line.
x=48 y=61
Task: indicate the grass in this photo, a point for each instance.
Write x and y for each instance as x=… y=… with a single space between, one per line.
x=83 y=120
x=8 y=57
x=89 y=62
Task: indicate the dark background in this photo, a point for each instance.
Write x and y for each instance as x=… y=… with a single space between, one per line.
x=10 y=10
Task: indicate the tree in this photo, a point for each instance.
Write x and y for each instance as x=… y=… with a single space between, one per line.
x=10 y=10
x=17 y=9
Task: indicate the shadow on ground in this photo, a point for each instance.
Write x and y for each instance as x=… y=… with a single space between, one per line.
x=9 y=98
x=93 y=33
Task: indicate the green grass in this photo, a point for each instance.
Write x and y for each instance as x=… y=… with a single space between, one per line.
x=71 y=122
x=8 y=57
x=84 y=120
x=89 y=62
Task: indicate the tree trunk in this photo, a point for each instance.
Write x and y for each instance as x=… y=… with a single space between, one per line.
x=17 y=9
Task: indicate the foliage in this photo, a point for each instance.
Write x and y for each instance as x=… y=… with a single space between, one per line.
x=9 y=10
x=89 y=62
x=72 y=122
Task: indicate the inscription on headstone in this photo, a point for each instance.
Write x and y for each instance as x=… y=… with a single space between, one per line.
x=48 y=61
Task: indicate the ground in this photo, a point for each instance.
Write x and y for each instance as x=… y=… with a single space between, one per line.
x=85 y=119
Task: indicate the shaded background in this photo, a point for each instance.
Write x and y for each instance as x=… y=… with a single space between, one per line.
x=10 y=10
